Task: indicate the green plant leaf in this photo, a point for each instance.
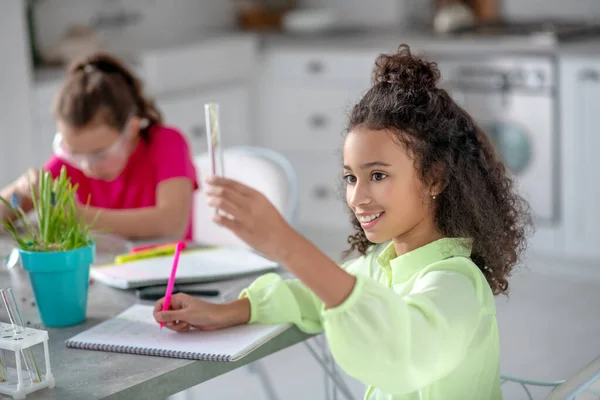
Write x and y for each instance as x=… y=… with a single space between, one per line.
x=58 y=226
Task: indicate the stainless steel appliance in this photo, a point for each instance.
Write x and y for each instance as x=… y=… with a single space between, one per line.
x=514 y=99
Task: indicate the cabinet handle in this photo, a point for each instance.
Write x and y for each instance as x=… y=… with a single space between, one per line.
x=317 y=121
x=198 y=131
x=315 y=67
x=589 y=75
x=321 y=192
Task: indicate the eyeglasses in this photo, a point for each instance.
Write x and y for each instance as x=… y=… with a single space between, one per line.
x=83 y=161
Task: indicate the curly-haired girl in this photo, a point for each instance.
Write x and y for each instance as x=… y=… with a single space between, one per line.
x=440 y=228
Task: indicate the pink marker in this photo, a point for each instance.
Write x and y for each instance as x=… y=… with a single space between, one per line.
x=171 y=283
x=154 y=246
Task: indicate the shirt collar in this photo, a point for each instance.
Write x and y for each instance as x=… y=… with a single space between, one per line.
x=406 y=265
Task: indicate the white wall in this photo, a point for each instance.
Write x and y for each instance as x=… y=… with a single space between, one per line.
x=15 y=93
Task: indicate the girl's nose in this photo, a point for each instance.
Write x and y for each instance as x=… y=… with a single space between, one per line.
x=359 y=196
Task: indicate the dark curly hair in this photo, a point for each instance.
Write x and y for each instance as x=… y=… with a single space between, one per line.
x=478 y=200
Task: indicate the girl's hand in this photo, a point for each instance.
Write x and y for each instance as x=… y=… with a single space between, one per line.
x=250 y=215
x=189 y=312
x=22 y=186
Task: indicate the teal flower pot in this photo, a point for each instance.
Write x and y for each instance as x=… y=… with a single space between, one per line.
x=60 y=282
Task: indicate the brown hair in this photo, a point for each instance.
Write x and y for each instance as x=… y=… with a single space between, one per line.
x=100 y=85
x=478 y=200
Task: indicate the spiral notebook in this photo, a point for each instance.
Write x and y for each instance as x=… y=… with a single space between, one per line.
x=194 y=267
x=136 y=332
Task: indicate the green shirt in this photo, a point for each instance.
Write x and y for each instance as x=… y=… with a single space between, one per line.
x=421 y=326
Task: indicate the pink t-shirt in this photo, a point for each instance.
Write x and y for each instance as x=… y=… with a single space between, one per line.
x=166 y=156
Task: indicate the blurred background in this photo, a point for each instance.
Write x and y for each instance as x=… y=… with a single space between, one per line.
x=285 y=73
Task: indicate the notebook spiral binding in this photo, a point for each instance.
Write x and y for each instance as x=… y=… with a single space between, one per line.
x=149 y=352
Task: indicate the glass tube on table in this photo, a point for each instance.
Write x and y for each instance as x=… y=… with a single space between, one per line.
x=2 y=366
x=17 y=323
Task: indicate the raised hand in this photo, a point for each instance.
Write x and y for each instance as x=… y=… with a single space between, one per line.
x=251 y=216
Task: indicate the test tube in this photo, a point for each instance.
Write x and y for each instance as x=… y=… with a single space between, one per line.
x=213 y=135
x=17 y=323
x=2 y=366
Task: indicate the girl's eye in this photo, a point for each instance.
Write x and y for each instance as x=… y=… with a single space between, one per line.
x=350 y=178
x=377 y=176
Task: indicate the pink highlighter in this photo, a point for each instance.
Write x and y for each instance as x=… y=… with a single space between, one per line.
x=171 y=284
x=154 y=246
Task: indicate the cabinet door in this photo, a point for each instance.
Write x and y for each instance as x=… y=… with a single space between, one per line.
x=322 y=203
x=580 y=145
x=309 y=119
x=186 y=113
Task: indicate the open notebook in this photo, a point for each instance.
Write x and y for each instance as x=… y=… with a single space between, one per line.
x=194 y=266
x=136 y=332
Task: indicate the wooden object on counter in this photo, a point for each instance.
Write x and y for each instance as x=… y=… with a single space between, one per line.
x=485 y=10
x=262 y=14
x=260 y=19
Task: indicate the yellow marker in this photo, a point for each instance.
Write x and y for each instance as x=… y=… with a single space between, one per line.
x=160 y=251
x=150 y=253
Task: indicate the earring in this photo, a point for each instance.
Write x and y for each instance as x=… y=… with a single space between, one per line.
x=433 y=196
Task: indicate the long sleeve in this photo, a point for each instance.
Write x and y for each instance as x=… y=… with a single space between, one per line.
x=274 y=300
x=171 y=156
x=400 y=342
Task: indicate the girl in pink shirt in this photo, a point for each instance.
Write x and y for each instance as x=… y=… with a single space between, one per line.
x=137 y=174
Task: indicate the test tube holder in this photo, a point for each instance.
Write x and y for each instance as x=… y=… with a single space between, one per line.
x=17 y=383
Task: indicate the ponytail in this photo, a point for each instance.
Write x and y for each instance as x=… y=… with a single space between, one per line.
x=102 y=86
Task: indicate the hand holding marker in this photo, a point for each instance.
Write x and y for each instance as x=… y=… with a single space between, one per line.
x=171 y=283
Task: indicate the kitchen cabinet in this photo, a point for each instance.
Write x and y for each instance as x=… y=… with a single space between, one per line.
x=212 y=61
x=305 y=96
x=305 y=118
x=580 y=107
x=322 y=203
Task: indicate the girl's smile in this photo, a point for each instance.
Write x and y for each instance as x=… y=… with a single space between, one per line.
x=368 y=220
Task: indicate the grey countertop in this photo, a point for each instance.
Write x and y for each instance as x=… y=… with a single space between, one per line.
x=387 y=40
x=89 y=375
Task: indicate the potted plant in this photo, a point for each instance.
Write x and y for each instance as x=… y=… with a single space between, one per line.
x=56 y=249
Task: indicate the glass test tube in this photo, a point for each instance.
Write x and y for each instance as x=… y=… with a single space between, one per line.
x=213 y=135
x=17 y=323
x=2 y=365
